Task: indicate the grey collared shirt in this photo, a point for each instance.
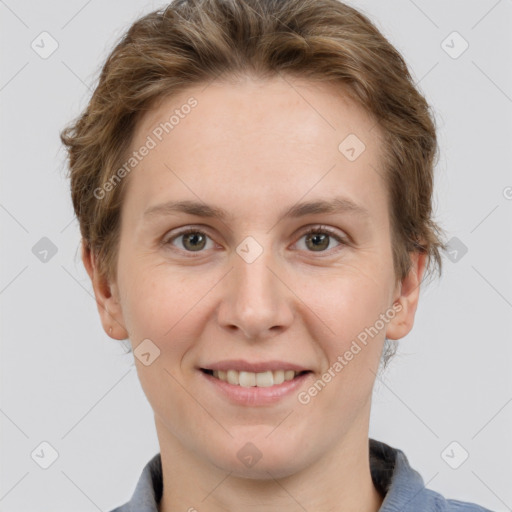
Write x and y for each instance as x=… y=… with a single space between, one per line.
x=402 y=486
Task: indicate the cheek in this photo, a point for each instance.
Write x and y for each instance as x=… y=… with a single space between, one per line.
x=351 y=337
x=163 y=309
x=164 y=304
x=348 y=303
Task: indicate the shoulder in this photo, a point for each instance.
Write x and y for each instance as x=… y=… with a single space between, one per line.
x=148 y=490
x=403 y=487
x=459 y=506
x=440 y=504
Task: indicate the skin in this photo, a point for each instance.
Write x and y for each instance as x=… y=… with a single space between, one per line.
x=255 y=147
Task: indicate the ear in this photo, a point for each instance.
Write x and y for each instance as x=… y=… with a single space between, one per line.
x=406 y=299
x=107 y=297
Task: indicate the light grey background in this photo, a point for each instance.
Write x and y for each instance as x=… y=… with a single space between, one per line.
x=65 y=382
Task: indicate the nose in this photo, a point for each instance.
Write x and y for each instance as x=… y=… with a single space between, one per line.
x=256 y=300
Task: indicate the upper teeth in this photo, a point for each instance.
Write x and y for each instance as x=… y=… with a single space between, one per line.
x=248 y=379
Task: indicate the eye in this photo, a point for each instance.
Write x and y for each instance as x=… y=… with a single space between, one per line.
x=319 y=238
x=193 y=240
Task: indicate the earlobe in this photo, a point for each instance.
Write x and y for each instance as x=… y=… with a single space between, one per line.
x=407 y=298
x=106 y=295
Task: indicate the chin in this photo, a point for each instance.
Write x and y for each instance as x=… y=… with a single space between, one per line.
x=260 y=459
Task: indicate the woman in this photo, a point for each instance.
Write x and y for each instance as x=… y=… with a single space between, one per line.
x=253 y=182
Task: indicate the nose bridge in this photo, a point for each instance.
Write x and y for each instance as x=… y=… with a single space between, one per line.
x=256 y=299
x=254 y=281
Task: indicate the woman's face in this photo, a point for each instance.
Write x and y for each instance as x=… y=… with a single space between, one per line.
x=252 y=287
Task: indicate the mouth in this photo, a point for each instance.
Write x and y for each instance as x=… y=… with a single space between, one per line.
x=247 y=379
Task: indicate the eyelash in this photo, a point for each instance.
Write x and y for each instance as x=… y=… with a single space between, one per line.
x=312 y=230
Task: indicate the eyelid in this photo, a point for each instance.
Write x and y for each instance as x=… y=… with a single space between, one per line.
x=322 y=228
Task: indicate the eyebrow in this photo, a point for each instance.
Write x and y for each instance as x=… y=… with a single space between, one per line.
x=200 y=209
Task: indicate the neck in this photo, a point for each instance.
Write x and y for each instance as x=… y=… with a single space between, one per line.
x=339 y=481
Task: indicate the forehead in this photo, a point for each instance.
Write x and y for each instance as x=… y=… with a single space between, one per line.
x=275 y=138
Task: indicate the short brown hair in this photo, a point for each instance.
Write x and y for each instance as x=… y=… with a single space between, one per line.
x=196 y=41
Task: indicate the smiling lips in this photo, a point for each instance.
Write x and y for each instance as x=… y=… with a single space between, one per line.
x=255 y=384
x=245 y=374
